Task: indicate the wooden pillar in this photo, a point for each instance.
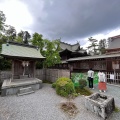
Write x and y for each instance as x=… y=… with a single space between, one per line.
x=12 y=70
x=34 y=69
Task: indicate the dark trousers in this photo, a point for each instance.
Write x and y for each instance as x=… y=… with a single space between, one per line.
x=90 y=80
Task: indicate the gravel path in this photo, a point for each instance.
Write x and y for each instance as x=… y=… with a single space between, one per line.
x=44 y=104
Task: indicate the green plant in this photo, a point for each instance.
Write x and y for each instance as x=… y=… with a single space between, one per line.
x=82 y=83
x=54 y=85
x=64 y=87
x=83 y=91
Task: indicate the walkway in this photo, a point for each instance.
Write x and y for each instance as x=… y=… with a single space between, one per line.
x=44 y=104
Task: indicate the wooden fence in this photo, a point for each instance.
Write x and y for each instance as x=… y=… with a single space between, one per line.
x=53 y=74
x=43 y=74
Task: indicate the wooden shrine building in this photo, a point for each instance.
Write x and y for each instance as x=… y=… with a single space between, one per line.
x=69 y=51
x=23 y=58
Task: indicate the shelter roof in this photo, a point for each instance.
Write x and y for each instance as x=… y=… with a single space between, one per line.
x=13 y=49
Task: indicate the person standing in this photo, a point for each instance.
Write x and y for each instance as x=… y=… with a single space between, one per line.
x=90 y=78
x=102 y=82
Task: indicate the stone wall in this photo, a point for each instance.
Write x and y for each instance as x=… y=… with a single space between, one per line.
x=43 y=74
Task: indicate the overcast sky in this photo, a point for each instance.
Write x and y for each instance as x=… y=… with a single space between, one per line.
x=70 y=20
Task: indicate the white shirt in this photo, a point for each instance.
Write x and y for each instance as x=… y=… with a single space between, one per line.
x=101 y=77
x=91 y=73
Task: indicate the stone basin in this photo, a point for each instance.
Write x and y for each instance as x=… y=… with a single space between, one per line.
x=102 y=105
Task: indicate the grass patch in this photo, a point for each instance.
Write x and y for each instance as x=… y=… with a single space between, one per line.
x=46 y=81
x=83 y=91
x=117 y=109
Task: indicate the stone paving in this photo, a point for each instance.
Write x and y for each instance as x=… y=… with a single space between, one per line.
x=44 y=104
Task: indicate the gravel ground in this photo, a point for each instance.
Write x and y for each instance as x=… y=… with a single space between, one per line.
x=44 y=104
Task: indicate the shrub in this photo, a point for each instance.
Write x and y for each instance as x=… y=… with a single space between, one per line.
x=83 y=91
x=54 y=85
x=64 y=87
x=82 y=83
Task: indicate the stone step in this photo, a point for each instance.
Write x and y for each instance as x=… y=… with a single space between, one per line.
x=24 y=91
x=20 y=94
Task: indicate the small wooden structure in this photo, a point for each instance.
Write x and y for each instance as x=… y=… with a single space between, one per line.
x=23 y=58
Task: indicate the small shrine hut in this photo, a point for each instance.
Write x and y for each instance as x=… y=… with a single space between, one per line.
x=24 y=57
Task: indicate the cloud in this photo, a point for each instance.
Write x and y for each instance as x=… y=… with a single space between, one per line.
x=16 y=14
x=75 y=19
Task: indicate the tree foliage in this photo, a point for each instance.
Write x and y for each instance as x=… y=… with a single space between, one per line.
x=2 y=20
x=10 y=32
x=3 y=39
x=93 y=47
x=102 y=46
x=49 y=49
x=38 y=41
x=18 y=39
x=51 y=52
x=26 y=37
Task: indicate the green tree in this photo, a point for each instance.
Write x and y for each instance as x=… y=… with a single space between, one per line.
x=2 y=20
x=49 y=49
x=19 y=39
x=26 y=37
x=93 y=47
x=10 y=32
x=37 y=40
x=23 y=37
x=51 y=52
x=20 y=34
x=4 y=63
x=2 y=25
x=102 y=46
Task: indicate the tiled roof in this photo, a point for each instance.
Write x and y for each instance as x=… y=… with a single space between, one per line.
x=93 y=57
x=69 y=47
x=20 y=50
x=114 y=37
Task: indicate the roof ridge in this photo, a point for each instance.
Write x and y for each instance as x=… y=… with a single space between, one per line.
x=69 y=44
x=21 y=44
